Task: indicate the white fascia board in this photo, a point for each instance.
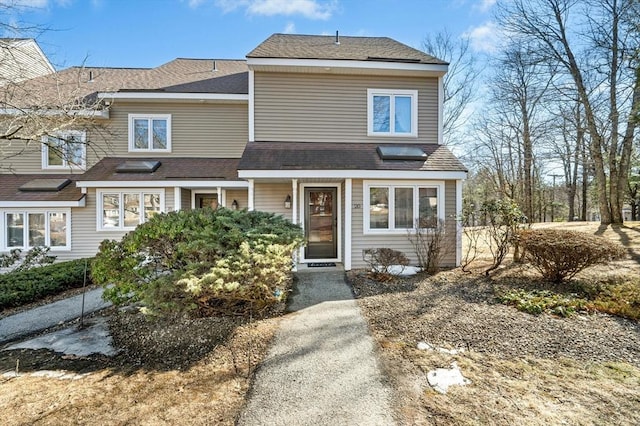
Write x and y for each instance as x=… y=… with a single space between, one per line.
x=333 y=63
x=44 y=204
x=87 y=113
x=173 y=96
x=353 y=174
x=162 y=184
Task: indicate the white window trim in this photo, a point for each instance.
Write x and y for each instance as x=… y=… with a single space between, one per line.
x=3 y=221
x=392 y=93
x=66 y=166
x=132 y=117
x=120 y=192
x=438 y=185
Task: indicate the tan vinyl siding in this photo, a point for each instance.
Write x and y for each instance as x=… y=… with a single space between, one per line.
x=240 y=195
x=185 y=199
x=20 y=156
x=333 y=108
x=399 y=242
x=197 y=130
x=269 y=197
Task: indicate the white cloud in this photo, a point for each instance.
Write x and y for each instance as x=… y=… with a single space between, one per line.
x=484 y=5
x=485 y=38
x=195 y=3
x=311 y=9
x=290 y=28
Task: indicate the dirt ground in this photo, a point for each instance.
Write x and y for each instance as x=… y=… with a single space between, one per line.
x=524 y=369
x=173 y=371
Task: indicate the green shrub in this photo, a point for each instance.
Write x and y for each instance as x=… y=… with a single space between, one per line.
x=21 y=287
x=213 y=260
x=559 y=254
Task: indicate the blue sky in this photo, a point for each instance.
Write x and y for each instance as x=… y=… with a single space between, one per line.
x=148 y=33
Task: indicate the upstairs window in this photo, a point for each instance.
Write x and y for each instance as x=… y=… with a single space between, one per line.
x=64 y=150
x=149 y=133
x=392 y=112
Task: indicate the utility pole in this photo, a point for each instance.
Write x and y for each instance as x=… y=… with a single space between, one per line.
x=553 y=194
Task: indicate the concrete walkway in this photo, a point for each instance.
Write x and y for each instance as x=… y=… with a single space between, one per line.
x=47 y=316
x=322 y=367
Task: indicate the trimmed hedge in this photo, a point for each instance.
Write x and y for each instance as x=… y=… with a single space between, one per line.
x=19 y=288
x=559 y=254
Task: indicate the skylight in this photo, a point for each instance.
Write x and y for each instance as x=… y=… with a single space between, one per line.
x=47 y=185
x=399 y=152
x=138 y=166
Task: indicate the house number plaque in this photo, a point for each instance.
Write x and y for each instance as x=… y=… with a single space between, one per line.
x=357 y=206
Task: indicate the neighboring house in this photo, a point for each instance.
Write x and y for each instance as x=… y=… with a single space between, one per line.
x=339 y=135
x=22 y=59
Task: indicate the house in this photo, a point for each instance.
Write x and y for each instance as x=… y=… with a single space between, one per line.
x=22 y=59
x=339 y=134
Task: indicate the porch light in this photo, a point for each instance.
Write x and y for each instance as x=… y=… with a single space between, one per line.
x=234 y=205
x=287 y=202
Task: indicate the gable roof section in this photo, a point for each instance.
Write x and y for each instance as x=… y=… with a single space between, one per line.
x=12 y=196
x=307 y=156
x=381 y=49
x=22 y=59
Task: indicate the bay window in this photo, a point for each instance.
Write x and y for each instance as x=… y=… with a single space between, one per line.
x=398 y=207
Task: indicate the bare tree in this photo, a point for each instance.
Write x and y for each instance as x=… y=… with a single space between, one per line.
x=594 y=51
x=459 y=82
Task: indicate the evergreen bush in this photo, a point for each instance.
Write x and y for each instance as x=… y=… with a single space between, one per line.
x=202 y=261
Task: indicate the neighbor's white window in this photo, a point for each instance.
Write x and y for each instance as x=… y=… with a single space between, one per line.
x=392 y=112
x=398 y=207
x=66 y=149
x=27 y=229
x=150 y=132
x=118 y=210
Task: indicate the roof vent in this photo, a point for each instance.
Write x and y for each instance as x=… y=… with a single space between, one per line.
x=337 y=39
x=90 y=76
x=215 y=66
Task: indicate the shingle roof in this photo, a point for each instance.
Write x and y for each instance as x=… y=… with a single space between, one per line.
x=341 y=156
x=170 y=169
x=10 y=188
x=179 y=75
x=293 y=46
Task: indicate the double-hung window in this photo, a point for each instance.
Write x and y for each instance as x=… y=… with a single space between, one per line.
x=124 y=210
x=392 y=112
x=149 y=133
x=398 y=207
x=63 y=150
x=37 y=228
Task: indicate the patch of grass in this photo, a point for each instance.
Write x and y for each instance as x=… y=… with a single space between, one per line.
x=615 y=297
x=539 y=301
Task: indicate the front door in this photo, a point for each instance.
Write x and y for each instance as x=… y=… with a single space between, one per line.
x=321 y=223
x=206 y=200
